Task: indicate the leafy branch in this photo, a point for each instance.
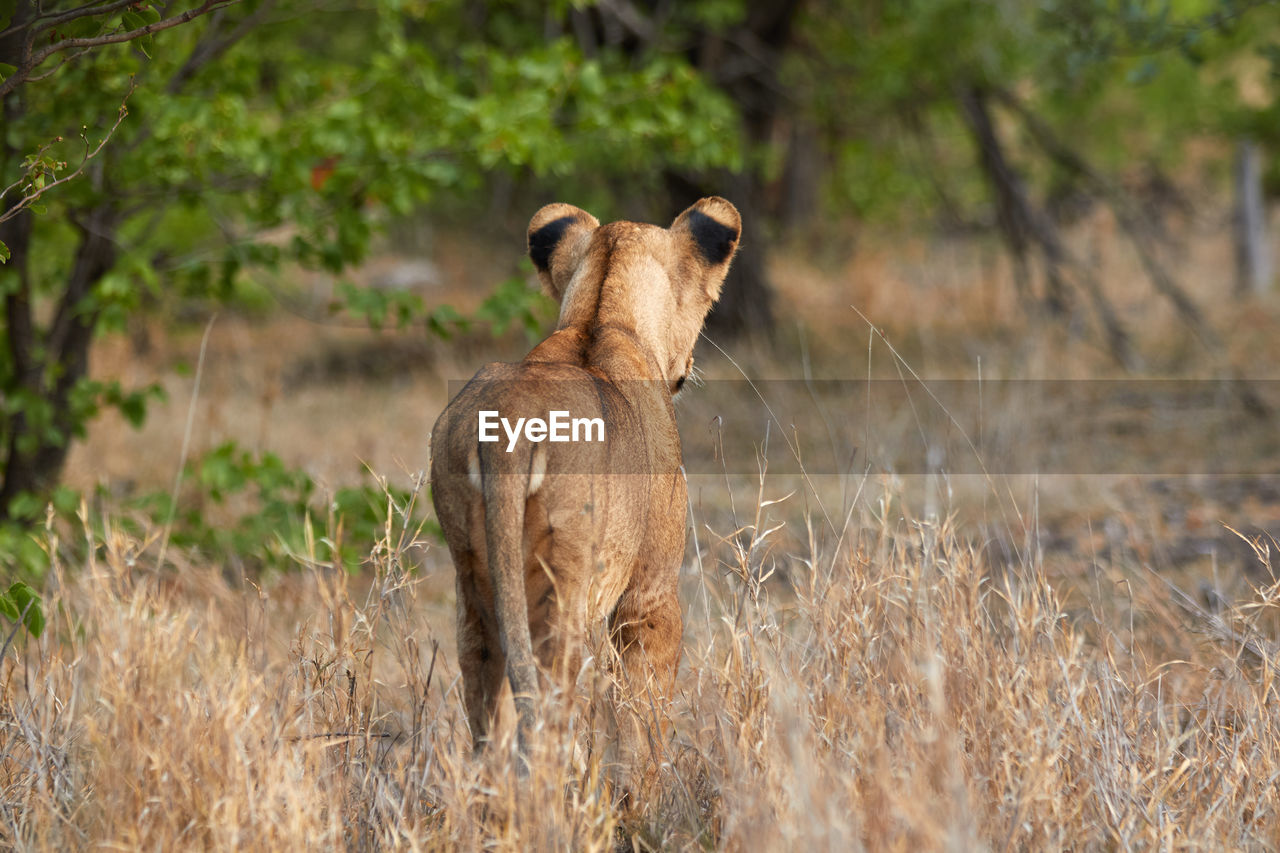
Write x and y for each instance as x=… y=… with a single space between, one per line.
x=34 y=181
x=131 y=29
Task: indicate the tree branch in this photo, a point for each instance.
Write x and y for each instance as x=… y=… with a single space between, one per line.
x=50 y=22
x=207 y=50
x=27 y=200
x=1137 y=227
x=71 y=14
x=34 y=78
x=1023 y=224
x=1132 y=221
x=34 y=60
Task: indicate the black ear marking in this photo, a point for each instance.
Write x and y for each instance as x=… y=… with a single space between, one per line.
x=544 y=241
x=715 y=241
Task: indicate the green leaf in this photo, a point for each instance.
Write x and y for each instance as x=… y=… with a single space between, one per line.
x=27 y=602
x=25 y=506
x=82 y=27
x=134 y=409
x=136 y=21
x=4 y=253
x=65 y=500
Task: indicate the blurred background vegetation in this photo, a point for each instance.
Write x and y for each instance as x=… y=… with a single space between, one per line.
x=163 y=162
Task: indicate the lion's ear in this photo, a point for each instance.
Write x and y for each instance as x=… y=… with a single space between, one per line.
x=557 y=239
x=711 y=228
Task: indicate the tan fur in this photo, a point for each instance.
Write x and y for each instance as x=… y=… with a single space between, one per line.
x=553 y=538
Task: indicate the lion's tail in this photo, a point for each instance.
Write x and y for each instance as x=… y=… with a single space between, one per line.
x=505 y=483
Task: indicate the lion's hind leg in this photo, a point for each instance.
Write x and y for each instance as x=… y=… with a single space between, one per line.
x=480 y=655
x=645 y=629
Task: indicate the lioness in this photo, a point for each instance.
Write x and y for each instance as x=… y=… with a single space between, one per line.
x=549 y=538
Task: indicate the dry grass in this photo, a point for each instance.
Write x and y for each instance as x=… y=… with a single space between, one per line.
x=885 y=689
x=927 y=674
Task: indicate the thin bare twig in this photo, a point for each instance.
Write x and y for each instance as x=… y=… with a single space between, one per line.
x=36 y=78
x=22 y=621
x=792 y=446
x=28 y=200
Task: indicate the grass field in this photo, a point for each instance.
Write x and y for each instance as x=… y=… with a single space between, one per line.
x=907 y=662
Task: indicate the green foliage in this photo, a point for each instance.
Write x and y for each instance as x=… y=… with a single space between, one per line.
x=245 y=510
x=22 y=605
x=1142 y=77
x=512 y=303
x=249 y=148
x=254 y=509
x=374 y=305
x=21 y=552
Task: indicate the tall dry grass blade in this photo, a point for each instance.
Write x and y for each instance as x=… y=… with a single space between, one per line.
x=186 y=442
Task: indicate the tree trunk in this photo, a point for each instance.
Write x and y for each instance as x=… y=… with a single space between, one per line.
x=25 y=374
x=42 y=366
x=744 y=65
x=801 y=177
x=1014 y=212
x=48 y=366
x=15 y=233
x=1253 y=252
